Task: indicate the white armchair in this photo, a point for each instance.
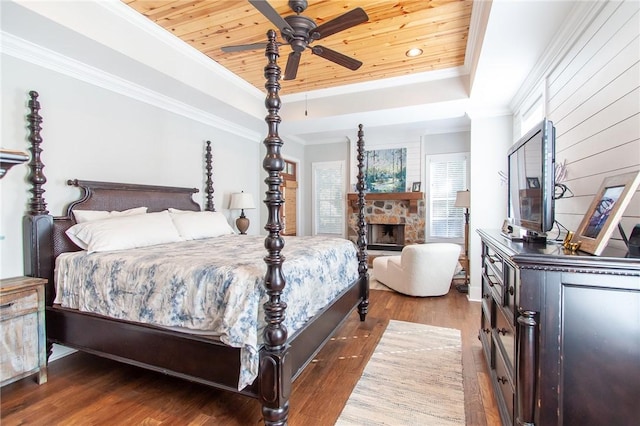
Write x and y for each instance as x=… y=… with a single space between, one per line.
x=420 y=270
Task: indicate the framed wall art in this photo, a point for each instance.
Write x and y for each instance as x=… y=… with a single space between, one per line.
x=605 y=212
x=385 y=170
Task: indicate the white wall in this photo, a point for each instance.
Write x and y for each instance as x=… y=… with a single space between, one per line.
x=593 y=98
x=490 y=140
x=92 y=133
x=446 y=143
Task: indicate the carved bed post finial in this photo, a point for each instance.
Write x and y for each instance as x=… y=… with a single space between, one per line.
x=275 y=367
x=209 y=183
x=363 y=307
x=37 y=223
x=37 y=205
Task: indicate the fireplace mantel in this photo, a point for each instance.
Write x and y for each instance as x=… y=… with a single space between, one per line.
x=412 y=197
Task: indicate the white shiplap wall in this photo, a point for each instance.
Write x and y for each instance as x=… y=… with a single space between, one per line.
x=593 y=98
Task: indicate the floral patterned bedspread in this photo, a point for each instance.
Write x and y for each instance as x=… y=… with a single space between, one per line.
x=213 y=285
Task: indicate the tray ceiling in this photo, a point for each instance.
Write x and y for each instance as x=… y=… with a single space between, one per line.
x=439 y=27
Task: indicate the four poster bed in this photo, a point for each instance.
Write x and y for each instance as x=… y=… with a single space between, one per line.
x=286 y=330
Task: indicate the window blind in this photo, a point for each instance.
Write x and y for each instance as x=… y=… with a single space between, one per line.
x=328 y=197
x=447 y=176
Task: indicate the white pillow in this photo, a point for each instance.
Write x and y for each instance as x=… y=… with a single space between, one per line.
x=197 y=225
x=82 y=216
x=124 y=232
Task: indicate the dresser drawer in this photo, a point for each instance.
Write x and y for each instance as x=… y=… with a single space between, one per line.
x=506 y=340
x=487 y=296
x=17 y=304
x=495 y=286
x=484 y=334
x=506 y=390
x=510 y=291
x=494 y=263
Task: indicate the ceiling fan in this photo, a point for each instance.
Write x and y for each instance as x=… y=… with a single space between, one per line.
x=298 y=31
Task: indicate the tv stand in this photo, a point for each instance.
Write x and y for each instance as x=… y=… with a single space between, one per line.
x=560 y=333
x=533 y=238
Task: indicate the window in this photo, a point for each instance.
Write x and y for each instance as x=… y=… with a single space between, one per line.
x=328 y=198
x=446 y=174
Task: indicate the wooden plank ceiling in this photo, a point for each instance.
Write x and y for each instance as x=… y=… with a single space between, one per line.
x=439 y=27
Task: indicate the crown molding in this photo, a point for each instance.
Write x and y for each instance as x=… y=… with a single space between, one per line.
x=51 y=60
x=580 y=17
x=139 y=21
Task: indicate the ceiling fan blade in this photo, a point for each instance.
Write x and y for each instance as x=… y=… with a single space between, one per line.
x=338 y=58
x=342 y=22
x=243 y=47
x=270 y=13
x=291 y=70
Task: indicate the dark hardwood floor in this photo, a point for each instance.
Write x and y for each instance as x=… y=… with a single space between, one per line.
x=88 y=390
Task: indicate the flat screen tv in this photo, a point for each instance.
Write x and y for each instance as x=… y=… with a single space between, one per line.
x=531 y=179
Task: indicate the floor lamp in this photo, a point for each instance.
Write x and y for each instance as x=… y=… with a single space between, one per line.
x=241 y=201
x=463 y=199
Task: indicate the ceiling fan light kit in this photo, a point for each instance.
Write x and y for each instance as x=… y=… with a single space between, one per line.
x=299 y=31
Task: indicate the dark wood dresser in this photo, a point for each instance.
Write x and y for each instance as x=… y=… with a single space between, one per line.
x=561 y=333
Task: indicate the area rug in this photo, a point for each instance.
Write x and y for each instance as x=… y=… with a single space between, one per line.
x=414 y=377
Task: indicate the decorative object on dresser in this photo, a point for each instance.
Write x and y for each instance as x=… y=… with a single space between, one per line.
x=415 y=187
x=560 y=333
x=605 y=212
x=282 y=341
x=22 y=329
x=9 y=158
x=463 y=199
x=241 y=201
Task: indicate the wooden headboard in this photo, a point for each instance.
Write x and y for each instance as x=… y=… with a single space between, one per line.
x=111 y=196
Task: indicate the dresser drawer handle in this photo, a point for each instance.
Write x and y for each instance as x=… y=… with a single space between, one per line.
x=486 y=330
x=6 y=305
x=487 y=296
x=503 y=331
x=491 y=260
x=511 y=290
x=502 y=380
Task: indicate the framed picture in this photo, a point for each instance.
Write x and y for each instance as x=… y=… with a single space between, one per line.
x=605 y=212
x=415 y=187
x=533 y=182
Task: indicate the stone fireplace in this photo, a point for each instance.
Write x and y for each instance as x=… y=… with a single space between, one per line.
x=397 y=216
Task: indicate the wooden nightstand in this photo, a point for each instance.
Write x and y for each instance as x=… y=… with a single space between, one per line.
x=22 y=332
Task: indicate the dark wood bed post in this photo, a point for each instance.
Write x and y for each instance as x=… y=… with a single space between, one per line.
x=209 y=182
x=38 y=223
x=275 y=365
x=363 y=307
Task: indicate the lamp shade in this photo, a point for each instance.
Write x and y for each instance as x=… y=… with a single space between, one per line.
x=463 y=199
x=240 y=201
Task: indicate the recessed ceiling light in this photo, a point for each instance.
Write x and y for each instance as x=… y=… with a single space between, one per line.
x=414 y=52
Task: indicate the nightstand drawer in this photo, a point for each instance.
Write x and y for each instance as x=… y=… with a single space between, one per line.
x=20 y=351
x=16 y=304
